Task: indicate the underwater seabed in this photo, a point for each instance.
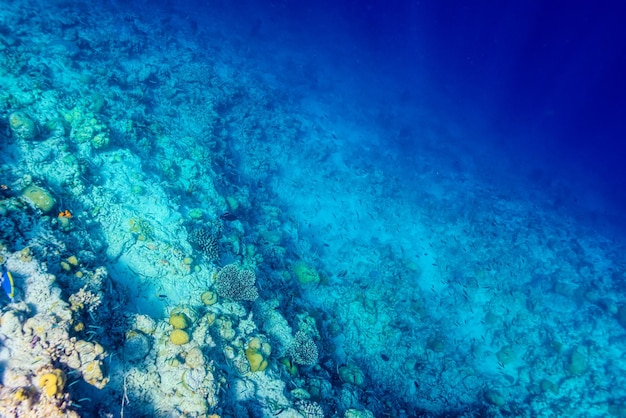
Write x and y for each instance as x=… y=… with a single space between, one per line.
x=186 y=238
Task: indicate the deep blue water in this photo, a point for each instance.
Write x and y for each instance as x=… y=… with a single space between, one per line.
x=537 y=86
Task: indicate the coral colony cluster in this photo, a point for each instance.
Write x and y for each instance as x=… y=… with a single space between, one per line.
x=175 y=243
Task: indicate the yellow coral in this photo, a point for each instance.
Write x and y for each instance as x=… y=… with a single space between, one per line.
x=210 y=318
x=178 y=321
x=255 y=344
x=21 y=394
x=209 y=298
x=52 y=382
x=256 y=360
x=179 y=337
x=92 y=373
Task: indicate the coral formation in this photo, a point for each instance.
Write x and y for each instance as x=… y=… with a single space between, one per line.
x=206 y=240
x=350 y=373
x=257 y=362
x=23 y=126
x=209 y=298
x=236 y=284
x=86 y=128
x=304 y=350
x=52 y=382
x=309 y=409
x=179 y=337
x=39 y=198
x=194 y=358
x=256 y=353
x=178 y=321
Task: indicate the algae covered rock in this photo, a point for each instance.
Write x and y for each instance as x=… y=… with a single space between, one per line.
x=494 y=397
x=39 y=198
x=351 y=374
x=357 y=413
x=305 y=274
x=578 y=363
x=506 y=355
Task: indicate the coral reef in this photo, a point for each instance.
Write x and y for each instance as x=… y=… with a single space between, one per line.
x=165 y=170
x=23 y=402
x=41 y=341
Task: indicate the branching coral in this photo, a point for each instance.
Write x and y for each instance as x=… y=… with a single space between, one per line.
x=236 y=284
x=304 y=351
x=206 y=241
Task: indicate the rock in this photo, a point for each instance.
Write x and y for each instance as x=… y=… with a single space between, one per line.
x=136 y=347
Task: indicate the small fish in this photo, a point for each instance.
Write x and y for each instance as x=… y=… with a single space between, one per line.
x=65 y=214
x=227 y=216
x=7 y=284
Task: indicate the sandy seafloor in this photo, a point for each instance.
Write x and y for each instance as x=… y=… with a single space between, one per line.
x=179 y=150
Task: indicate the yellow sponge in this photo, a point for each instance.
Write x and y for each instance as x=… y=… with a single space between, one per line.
x=178 y=321
x=52 y=382
x=179 y=337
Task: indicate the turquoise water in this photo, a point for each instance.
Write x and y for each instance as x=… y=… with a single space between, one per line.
x=207 y=213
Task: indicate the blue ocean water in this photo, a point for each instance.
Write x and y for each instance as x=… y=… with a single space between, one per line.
x=342 y=209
